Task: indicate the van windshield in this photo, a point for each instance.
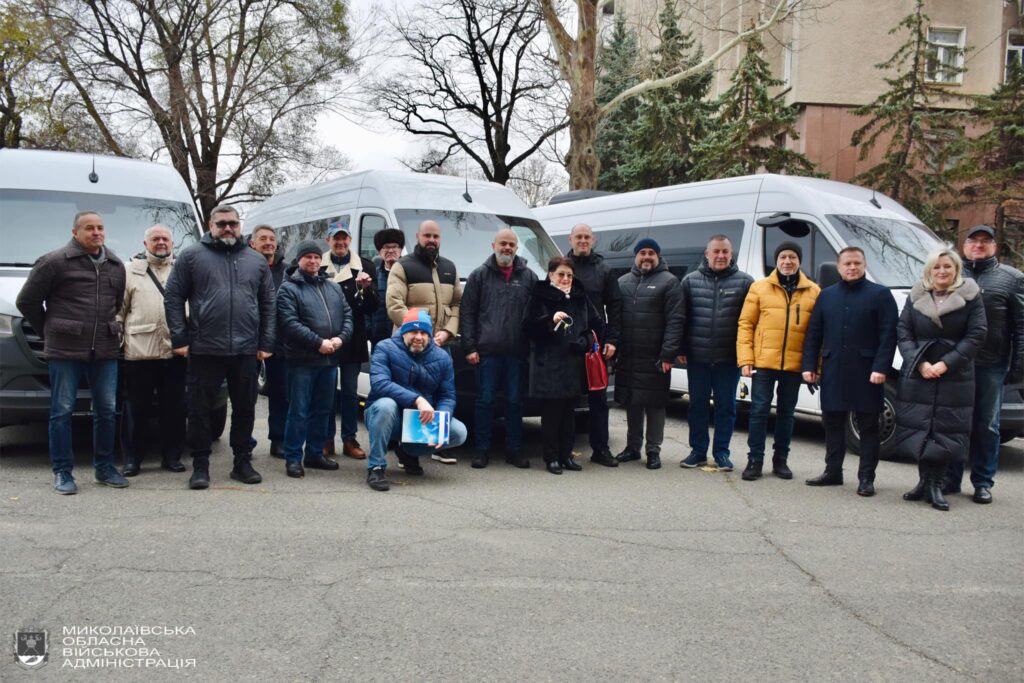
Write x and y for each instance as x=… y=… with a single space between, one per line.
x=34 y=222
x=895 y=250
x=466 y=237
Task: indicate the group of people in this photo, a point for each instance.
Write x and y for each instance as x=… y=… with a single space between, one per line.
x=188 y=323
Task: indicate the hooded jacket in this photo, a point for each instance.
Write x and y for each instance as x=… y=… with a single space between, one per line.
x=773 y=323
x=309 y=310
x=399 y=374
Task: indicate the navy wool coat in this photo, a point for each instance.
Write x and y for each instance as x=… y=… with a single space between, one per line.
x=853 y=333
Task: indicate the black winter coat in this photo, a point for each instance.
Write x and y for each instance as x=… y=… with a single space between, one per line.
x=361 y=302
x=602 y=291
x=309 y=310
x=933 y=416
x=853 y=332
x=712 y=305
x=231 y=300
x=492 y=310
x=82 y=297
x=378 y=324
x=556 y=357
x=1002 y=291
x=652 y=331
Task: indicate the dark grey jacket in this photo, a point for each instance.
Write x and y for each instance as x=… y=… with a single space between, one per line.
x=712 y=304
x=230 y=296
x=652 y=331
x=492 y=309
x=82 y=297
x=1002 y=291
x=309 y=310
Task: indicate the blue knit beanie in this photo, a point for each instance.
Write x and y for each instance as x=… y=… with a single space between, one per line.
x=416 y=319
x=647 y=243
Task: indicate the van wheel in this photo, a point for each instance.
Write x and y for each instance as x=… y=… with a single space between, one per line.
x=886 y=426
x=218 y=419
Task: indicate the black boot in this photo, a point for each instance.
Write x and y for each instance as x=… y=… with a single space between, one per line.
x=935 y=495
x=243 y=470
x=780 y=469
x=918 y=492
x=752 y=471
x=568 y=463
x=200 y=478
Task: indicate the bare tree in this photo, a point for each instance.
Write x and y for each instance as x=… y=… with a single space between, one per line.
x=477 y=83
x=537 y=180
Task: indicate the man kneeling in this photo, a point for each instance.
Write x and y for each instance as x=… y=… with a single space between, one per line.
x=408 y=371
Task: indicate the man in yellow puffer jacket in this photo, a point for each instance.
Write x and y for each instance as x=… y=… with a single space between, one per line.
x=769 y=349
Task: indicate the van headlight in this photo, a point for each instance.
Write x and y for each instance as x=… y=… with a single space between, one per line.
x=6 y=325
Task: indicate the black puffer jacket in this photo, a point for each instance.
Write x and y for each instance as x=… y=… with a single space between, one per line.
x=602 y=290
x=652 y=331
x=492 y=309
x=712 y=304
x=556 y=357
x=1002 y=291
x=230 y=295
x=309 y=310
x=933 y=416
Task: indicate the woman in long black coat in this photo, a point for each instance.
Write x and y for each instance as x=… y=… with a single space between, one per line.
x=941 y=328
x=558 y=325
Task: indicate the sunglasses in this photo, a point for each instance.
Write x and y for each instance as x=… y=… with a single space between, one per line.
x=226 y=224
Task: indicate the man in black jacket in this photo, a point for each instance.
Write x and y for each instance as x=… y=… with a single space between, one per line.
x=71 y=298
x=602 y=290
x=264 y=240
x=230 y=328
x=712 y=301
x=389 y=243
x=1000 y=360
x=493 y=302
x=652 y=331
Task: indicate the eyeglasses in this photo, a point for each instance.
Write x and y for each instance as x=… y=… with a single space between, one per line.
x=226 y=224
x=391 y=247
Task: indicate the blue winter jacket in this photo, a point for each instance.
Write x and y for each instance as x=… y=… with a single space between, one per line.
x=397 y=374
x=309 y=310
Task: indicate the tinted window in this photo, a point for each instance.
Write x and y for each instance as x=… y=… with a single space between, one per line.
x=290 y=236
x=34 y=222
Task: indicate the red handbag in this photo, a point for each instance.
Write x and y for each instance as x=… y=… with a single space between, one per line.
x=597 y=371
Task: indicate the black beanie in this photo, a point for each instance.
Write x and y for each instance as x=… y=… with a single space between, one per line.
x=307 y=247
x=789 y=246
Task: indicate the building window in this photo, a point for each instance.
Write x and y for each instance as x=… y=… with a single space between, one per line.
x=945 y=55
x=1014 y=51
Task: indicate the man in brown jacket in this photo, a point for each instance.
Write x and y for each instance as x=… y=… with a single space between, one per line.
x=150 y=366
x=71 y=298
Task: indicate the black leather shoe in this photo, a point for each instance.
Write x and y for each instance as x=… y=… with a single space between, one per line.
x=553 y=467
x=982 y=495
x=604 y=458
x=918 y=492
x=570 y=464
x=480 y=460
x=752 y=471
x=653 y=461
x=518 y=459
x=276 y=450
x=320 y=463
x=243 y=470
x=866 y=488
x=627 y=456
x=200 y=479
x=826 y=479
x=780 y=469
x=131 y=468
x=294 y=469
x=935 y=495
x=172 y=465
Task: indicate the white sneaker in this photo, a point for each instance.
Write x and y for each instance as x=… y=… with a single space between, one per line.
x=444 y=457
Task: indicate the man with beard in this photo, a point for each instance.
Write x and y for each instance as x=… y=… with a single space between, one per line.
x=230 y=295
x=490 y=321
x=427 y=280
x=389 y=244
x=652 y=330
x=150 y=366
x=264 y=240
x=408 y=372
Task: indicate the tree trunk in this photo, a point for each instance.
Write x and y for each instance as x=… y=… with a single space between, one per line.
x=582 y=162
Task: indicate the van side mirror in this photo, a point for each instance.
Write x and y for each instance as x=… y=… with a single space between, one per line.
x=786 y=223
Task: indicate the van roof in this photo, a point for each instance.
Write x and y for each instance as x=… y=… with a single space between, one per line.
x=773 y=192
x=33 y=169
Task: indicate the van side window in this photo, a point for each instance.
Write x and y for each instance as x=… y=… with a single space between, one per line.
x=370 y=225
x=816 y=248
x=290 y=236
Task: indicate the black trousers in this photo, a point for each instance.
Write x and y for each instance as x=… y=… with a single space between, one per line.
x=557 y=428
x=143 y=379
x=205 y=375
x=835 y=442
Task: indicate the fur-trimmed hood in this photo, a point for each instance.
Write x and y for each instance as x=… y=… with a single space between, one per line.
x=923 y=302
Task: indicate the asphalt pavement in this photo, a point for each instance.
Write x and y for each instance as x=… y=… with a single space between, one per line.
x=511 y=575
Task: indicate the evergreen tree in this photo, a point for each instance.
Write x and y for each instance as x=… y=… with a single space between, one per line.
x=618 y=69
x=751 y=126
x=920 y=138
x=670 y=121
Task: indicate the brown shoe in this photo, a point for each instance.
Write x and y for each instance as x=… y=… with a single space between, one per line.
x=329 y=448
x=350 y=447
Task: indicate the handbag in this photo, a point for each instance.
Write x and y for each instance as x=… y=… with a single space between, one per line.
x=597 y=371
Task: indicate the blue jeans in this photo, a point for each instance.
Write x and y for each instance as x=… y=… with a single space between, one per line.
x=348 y=404
x=499 y=372
x=384 y=423
x=310 y=402
x=706 y=380
x=65 y=376
x=763 y=385
x=984 y=453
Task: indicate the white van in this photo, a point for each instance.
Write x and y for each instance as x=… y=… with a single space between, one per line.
x=757 y=213
x=40 y=193
x=469 y=213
